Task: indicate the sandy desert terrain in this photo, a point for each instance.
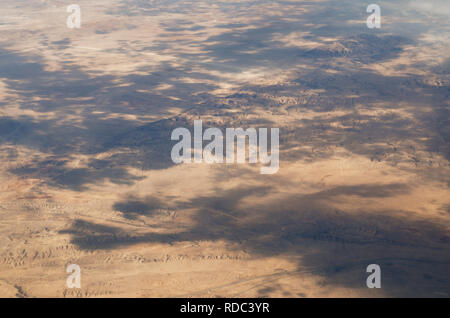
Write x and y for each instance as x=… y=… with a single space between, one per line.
x=86 y=176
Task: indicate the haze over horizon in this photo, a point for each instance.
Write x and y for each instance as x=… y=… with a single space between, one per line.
x=86 y=174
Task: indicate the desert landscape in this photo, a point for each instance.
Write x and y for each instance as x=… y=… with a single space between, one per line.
x=86 y=176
